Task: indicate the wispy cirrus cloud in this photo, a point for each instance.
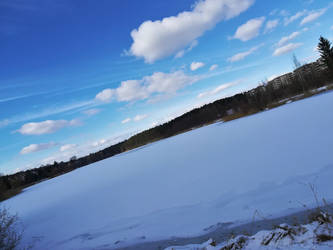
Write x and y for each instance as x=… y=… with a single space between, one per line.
x=313 y=15
x=91 y=112
x=46 y=127
x=37 y=147
x=286 y=39
x=286 y=49
x=136 y=118
x=289 y=20
x=47 y=112
x=127 y=120
x=67 y=147
x=271 y=25
x=243 y=55
x=218 y=89
x=213 y=67
x=18 y=97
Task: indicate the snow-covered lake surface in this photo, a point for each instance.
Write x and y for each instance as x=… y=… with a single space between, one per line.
x=224 y=172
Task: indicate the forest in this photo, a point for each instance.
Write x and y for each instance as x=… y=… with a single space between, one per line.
x=303 y=82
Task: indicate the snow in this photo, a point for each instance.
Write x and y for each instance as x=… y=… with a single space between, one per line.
x=225 y=172
x=287 y=237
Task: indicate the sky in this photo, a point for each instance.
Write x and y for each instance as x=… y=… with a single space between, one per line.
x=78 y=76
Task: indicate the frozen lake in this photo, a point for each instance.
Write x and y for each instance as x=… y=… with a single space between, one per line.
x=224 y=172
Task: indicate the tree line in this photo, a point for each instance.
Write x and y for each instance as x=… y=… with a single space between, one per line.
x=268 y=94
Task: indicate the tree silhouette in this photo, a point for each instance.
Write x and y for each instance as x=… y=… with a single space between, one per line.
x=326 y=52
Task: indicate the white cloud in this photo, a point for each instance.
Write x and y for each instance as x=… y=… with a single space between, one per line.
x=140 y=117
x=154 y=40
x=242 y=55
x=105 y=95
x=286 y=49
x=157 y=83
x=46 y=127
x=286 y=39
x=4 y=123
x=137 y=118
x=91 y=112
x=99 y=143
x=313 y=16
x=273 y=12
x=67 y=147
x=126 y=120
x=36 y=147
x=182 y=52
x=249 y=30
x=53 y=110
x=332 y=27
x=270 y=25
x=284 y=13
x=213 y=67
x=288 y=20
x=217 y=90
x=131 y=90
x=196 y=65
x=168 y=83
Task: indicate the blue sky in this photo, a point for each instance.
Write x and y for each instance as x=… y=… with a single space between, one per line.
x=77 y=76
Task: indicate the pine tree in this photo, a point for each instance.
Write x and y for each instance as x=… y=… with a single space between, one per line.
x=326 y=52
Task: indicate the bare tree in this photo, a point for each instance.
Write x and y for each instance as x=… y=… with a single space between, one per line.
x=9 y=236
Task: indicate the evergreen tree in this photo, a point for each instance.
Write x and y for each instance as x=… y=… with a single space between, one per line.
x=326 y=52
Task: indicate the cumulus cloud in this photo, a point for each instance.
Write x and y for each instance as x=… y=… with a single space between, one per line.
x=286 y=49
x=271 y=25
x=105 y=95
x=242 y=55
x=288 y=20
x=157 y=83
x=36 y=147
x=313 y=16
x=196 y=65
x=154 y=40
x=46 y=127
x=213 y=67
x=67 y=147
x=91 y=112
x=249 y=30
x=217 y=90
x=140 y=117
x=286 y=39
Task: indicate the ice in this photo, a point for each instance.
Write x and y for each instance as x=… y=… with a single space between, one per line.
x=225 y=172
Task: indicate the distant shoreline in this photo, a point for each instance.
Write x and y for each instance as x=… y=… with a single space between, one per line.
x=15 y=191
